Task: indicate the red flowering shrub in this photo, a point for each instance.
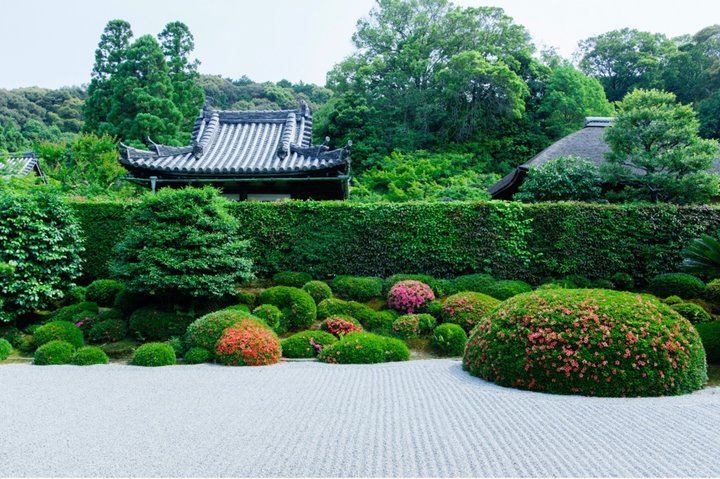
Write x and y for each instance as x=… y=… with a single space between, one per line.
x=248 y=343
x=467 y=309
x=587 y=341
x=409 y=296
x=205 y=331
x=340 y=325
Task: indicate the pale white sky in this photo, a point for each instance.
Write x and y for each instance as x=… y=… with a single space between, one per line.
x=51 y=43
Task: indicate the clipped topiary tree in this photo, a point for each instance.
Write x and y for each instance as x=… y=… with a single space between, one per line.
x=89 y=355
x=692 y=312
x=58 y=330
x=271 y=314
x=197 y=356
x=103 y=291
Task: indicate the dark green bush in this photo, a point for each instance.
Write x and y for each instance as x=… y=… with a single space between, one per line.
x=54 y=352
x=505 y=289
x=603 y=284
x=177 y=345
x=11 y=334
x=684 y=285
x=246 y=297
x=319 y=290
x=5 y=349
x=712 y=293
x=127 y=301
x=89 y=355
x=710 y=335
x=197 y=356
x=152 y=324
x=104 y=291
x=154 y=354
x=299 y=345
x=297 y=307
x=110 y=314
x=108 y=331
x=365 y=348
x=435 y=308
x=449 y=339
x=74 y=295
x=672 y=300
x=205 y=332
x=26 y=344
x=85 y=320
x=357 y=288
x=467 y=309
x=389 y=282
x=413 y=325
x=58 y=330
x=381 y=322
x=291 y=278
x=577 y=280
x=692 y=312
x=68 y=313
x=271 y=314
x=478 y=283
x=560 y=343
x=622 y=281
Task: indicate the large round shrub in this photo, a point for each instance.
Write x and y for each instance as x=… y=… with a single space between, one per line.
x=54 y=352
x=508 y=288
x=306 y=344
x=411 y=326
x=89 y=355
x=103 y=291
x=246 y=297
x=205 y=331
x=588 y=341
x=58 y=330
x=467 y=309
x=710 y=336
x=684 y=285
x=449 y=339
x=5 y=349
x=562 y=178
x=409 y=296
x=319 y=290
x=297 y=307
x=155 y=325
x=108 y=331
x=478 y=283
x=182 y=242
x=291 y=278
x=154 y=354
x=365 y=348
x=271 y=314
x=357 y=288
x=692 y=312
x=73 y=296
x=41 y=241
x=340 y=325
x=248 y=343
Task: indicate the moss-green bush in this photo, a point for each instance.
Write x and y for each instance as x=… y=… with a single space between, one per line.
x=271 y=314
x=335 y=306
x=246 y=297
x=319 y=290
x=298 y=308
x=300 y=345
x=467 y=309
x=103 y=291
x=692 y=312
x=108 y=331
x=449 y=339
x=365 y=348
x=381 y=322
x=68 y=313
x=505 y=289
x=671 y=300
x=177 y=345
x=74 y=295
x=153 y=354
x=239 y=307
x=357 y=288
x=58 y=330
x=128 y=301
x=11 y=334
x=150 y=324
x=197 y=356
x=478 y=283
x=54 y=352
x=590 y=342
x=205 y=331
x=291 y=278
x=710 y=336
x=411 y=326
x=89 y=355
x=684 y=285
x=5 y=349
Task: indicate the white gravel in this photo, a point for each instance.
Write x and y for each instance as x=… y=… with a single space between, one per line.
x=420 y=418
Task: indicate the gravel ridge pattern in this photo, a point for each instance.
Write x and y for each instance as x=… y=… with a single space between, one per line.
x=418 y=418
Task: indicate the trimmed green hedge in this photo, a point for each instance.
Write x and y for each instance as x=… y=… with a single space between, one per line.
x=508 y=240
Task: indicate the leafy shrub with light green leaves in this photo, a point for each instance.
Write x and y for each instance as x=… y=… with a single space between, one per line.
x=449 y=339
x=365 y=348
x=54 y=352
x=684 y=285
x=692 y=312
x=306 y=344
x=297 y=307
x=562 y=179
x=357 y=288
x=291 y=278
x=153 y=354
x=103 y=291
x=89 y=355
x=319 y=290
x=58 y=330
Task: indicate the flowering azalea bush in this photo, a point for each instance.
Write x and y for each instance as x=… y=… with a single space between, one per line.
x=413 y=325
x=340 y=325
x=590 y=342
x=248 y=343
x=467 y=309
x=409 y=296
x=205 y=332
x=306 y=344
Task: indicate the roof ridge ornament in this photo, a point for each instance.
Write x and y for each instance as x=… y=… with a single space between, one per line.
x=288 y=134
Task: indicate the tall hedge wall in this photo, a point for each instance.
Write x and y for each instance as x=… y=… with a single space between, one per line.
x=509 y=240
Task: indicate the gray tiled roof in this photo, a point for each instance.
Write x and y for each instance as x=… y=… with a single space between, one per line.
x=241 y=143
x=18 y=164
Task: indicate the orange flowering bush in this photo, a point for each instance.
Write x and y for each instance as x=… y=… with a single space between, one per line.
x=340 y=325
x=588 y=341
x=248 y=343
x=205 y=331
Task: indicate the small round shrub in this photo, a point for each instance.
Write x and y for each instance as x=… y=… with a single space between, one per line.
x=577 y=280
x=238 y=307
x=381 y=322
x=413 y=325
x=505 y=289
x=128 y=301
x=340 y=325
x=152 y=324
x=478 y=283
x=589 y=342
x=334 y=306
x=603 y=284
x=74 y=296
x=622 y=281
x=467 y=309
x=54 y=352
x=108 y=331
x=449 y=339
x=435 y=308
x=712 y=293
x=5 y=349
x=103 y=291
x=68 y=313
x=710 y=336
x=248 y=343
x=291 y=278
x=357 y=288
x=306 y=344
x=197 y=356
x=672 y=300
x=409 y=296
x=391 y=281
x=88 y=355
x=297 y=307
x=319 y=290
x=270 y=314
x=153 y=354
x=11 y=334
x=365 y=348
x=692 y=312
x=684 y=285
x=205 y=331
x=246 y=297
x=58 y=330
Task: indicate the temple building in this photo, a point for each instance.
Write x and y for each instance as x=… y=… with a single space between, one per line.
x=20 y=164
x=249 y=155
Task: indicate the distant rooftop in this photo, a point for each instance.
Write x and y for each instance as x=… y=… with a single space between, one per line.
x=19 y=164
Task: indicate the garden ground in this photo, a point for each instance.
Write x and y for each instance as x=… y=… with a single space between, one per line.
x=420 y=418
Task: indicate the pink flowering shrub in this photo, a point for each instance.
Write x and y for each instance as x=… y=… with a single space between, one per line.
x=409 y=296
x=248 y=343
x=340 y=325
x=467 y=309
x=590 y=342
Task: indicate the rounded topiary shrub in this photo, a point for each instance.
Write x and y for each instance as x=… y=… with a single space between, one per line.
x=74 y=296
x=413 y=325
x=505 y=289
x=622 y=281
x=248 y=343
x=478 y=283
x=710 y=336
x=153 y=324
x=154 y=354
x=69 y=313
x=340 y=325
x=58 y=330
x=449 y=339
x=319 y=290
x=197 y=356
x=291 y=278
x=409 y=296
x=239 y=307
x=712 y=292
x=381 y=322
x=335 y=306
x=297 y=307
x=246 y=297
x=205 y=332
x=103 y=291
x=89 y=355
x=603 y=284
x=365 y=348
x=588 y=341
x=435 y=285
x=467 y=309
x=357 y=288
x=306 y=344
x=269 y=313
x=692 y=312
x=671 y=300
x=54 y=352
x=108 y=331
x=684 y=285
x=5 y=349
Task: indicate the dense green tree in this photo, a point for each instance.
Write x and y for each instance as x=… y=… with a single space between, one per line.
x=567 y=178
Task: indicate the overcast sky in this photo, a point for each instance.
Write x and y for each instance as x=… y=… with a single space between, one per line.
x=51 y=43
